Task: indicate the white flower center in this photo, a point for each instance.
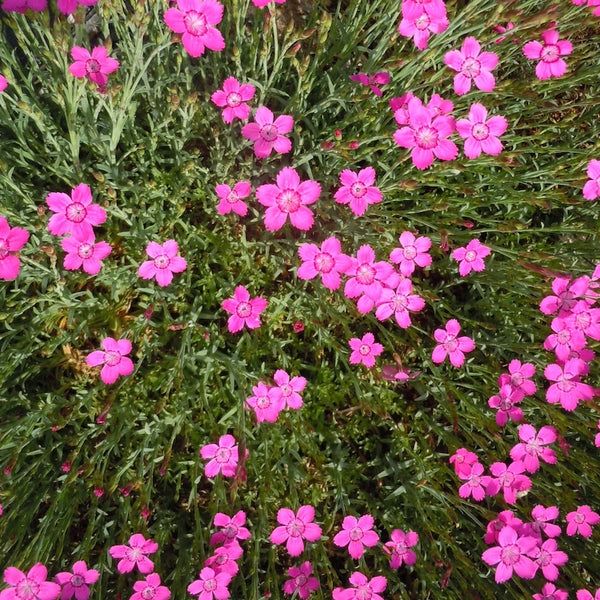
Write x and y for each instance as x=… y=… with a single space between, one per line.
x=195 y=23
x=76 y=212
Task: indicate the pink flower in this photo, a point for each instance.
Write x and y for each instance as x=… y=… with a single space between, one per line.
x=581 y=521
x=96 y=66
x=75 y=214
x=399 y=548
x=3 y=83
x=356 y=534
x=597 y=438
x=134 y=555
x=450 y=345
x=363 y=588
x=531 y=449
x=399 y=107
x=591 y=189
x=509 y=480
x=373 y=81
x=289 y=389
x=471 y=257
x=506 y=518
x=585 y=595
x=268 y=134
x=195 y=20
x=289 y=197
x=233 y=98
x=503 y=29
x=511 y=555
x=231 y=200
x=263 y=3
x=210 y=585
x=567 y=390
x=223 y=559
x=549 y=592
x=150 y=589
x=32 y=586
x=76 y=583
x=21 y=6
x=549 y=53
x=11 y=240
x=566 y=294
x=224 y=457
x=301 y=580
x=266 y=403
x=426 y=134
x=232 y=528
x=541 y=522
x=564 y=340
x=295 y=528
x=480 y=133
x=84 y=252
x=400 y=303
x=243 y=309
x=463 y=461
x=365 y=350
x=358 y=190
x=68 y=7
x=113 y=358
x=472 y=65
x=505 y=403
x=439 y=106
x=327 y=260
x=413 y=251
x=420 y=19
x=517 y=377
x=476 y=483
x=164 y=262
x=548 y=558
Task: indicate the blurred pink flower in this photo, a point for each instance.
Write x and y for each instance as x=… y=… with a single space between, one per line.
x=373 y=81
x=358 y=190
x=232 y=98
x=21 y=6
x=266 y=403
x=268 y=133
x=224 y=457
x=232 y=528
x=512 y=555
x=567 y=389
x=134 y=555
x=532 y=447
x=420 y=19
x=550 y=592
x=223 y=559
x=399 y=548
x=480 y=133
x=591 y=189
x=463 y=461
x=356 y=534
x=96 y=66
x=295 y=528
x=476 y=483
x=32 y=586
x=150 y=589
x=363 y=588
x=451 y=345
x=11 y=240
x=301 y=580
x=288 y=389
x=365 y=350
x=84 y=253
x=548 y=557
x=68 y=7
x=164 y=262
x=74 y=214
x=470 y=258
x=581 y=521
x=550 y=64
x=3 y=83
x=231 y=200
x=243 y=309
x=113 y=358
x=399 y=302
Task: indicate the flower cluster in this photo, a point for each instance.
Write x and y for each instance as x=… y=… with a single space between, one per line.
x=268 y=401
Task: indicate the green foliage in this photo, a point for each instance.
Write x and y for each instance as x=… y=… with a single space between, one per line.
x=152 y=149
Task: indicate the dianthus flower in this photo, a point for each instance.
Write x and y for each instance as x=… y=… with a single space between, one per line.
x=289 y=197
x=356 y=534
x=21 y=6
x=134 y=555
x=566 y=294
x=232 y=98
x=480 y=133
x=224 y=457
x=327 y=260
x=32 y=586
x=399 y=302
x=68 y=7
x=373 y=81
x=399 y=548
x=413 y=251
x=503 y=29
x=11 y=240
x=541 y=522
x=231 y=200
x=223 y=559
x=439 y=106
x=301 y=580
x=585 y=595
x=164 y=262
x=505 y=403
x=150 y=589
x=591 y=189
x=363 y=588
x=463 y=461
x=512 y=555
x=84 y=253
x=472 y=65
x=426 y=134
x=358 y=190
x=549 y=592
x=476 y=483
x=564 y=340
x=96 y=66
x=243 y=309
x=470 y=258
x=77 y=583
x=266 y=403
x=549 y=53
x=3 y=83
x=74 y=214
x=289 y=389
x=365 y=350
x=268 y=134
x=420 y=19
x=505 y=518
x=450 y=345
x=548 y=557
x=295 y=528
x=597 y=438
x=532 y=447
x=399 y=107
x=195 y=19
x=567 y=390
x=508 y=479
x=113 y=358
x=585 y=319
x=581 y=521
x=517 y=377
x=210 y=585
x=232 y=528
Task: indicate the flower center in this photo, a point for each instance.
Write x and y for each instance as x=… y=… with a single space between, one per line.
x=516 y=379
x=112 y=358
x=269 y=133
x=301 y=580
x=210 y=585
x=195 y=23
x=399 y=302
x=358 y=190
x=510 y=555
x=563 y=336
x=509 y=478
x=324 y=262
x=410 y=252
x=480 y=131
x=565 y=385
x=451 y=344
x=295 y=528
x=532 y=448
x=365 y=274
x=230 y=531
x=286 y=390
x=27 y=590
x=364 y=349
x=134 y=554
x=288 y=201
x=263 y=401
x=232 y=197
x=363 y=592
x=470 y=256
x=579 y=518
x=148 y=593
x=582 y=320
x=85 y=250
x=162 y=261
x=92 y=65
x=243 y=310
x=77 y=581
x=423 y=22
x=223 y=455
x=76 y=212
x=471 y=67
x=550 y=53
x=3 y=248
x=427 y=138
x=356 y=533
x=234 y=99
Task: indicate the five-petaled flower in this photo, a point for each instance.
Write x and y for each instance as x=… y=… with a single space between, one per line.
x=471 y=257
x=373 y=81
x=113 y=358
x=244 y=310
x=84 y=253
x=327 y=260
x=295 y=528
x=364 y=350
x=230 y=200
x=232 y=99
x=164 y=262
x=364 y=589
x=32 y=586
x=451 y=345
x=134 y=555
x=231 y=528
x=96 y=66
x=480 y=133
x=472 y=65
x=512 y=555
x=356 y=534
x=268 y=133
x=11 y=240
x=77 y=583
x=412 y=251
x=581 y=521
x=210 y=585
x=549 y=53
x=150 y=589
x=358 y=190
x=399 y=548
x=301 y=580
x=591 y=189
x=223 y=457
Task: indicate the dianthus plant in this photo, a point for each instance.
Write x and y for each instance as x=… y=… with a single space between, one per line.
x=113 y=358
x=294 y=528
x=472 y=65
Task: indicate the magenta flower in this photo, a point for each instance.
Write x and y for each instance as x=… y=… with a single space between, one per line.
x=550 y=592
x=476 y=483
x=480 y=133
x=565 y=340
x=463 y=461
x=506 y=518
x=472 y=65
x=549 y=53
x=84 y=252
x=581 y=521
x=358 y=190
x=511 y=555
x=548 y=558
x=223 y=559
x=21 y=6
x=231 y=200
x=471 y=257
x=268 y=134
x=96 y=66
x=591 y=189
x=567 y=390
x=295 y=528
x=164 y=262
x=134 y=555
x=532 y=447
x=68 y=7
x=195 y=19
x=232 y=98
x=368 y=277
x=541 y=522
x=426 y=134
x=363 y=588
x=451 y=345
x=413 y=251
x=508 y=479
x=439 y=106
x=517 y=377
x=399 y=302
x=373 y=81
x=243 y=309
x=585 y=595
x=289 y=197
x=232 y=528
x=288 y=389
x=365 y=350
x=356 y=534
x=399 y=107
x=266 y=403
x=113 y=358
x=399 y=548
x=3 y=83
x=301 y=580
x=77 y=583
x=224 y=457
x=75 y=214
x=32 y=586
x=565 y=296
x=263 y=3
x=210 y=585
x=327 y=260
x=150 y=589
x=11 y=240
x=420 y=19
x=505 y=403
